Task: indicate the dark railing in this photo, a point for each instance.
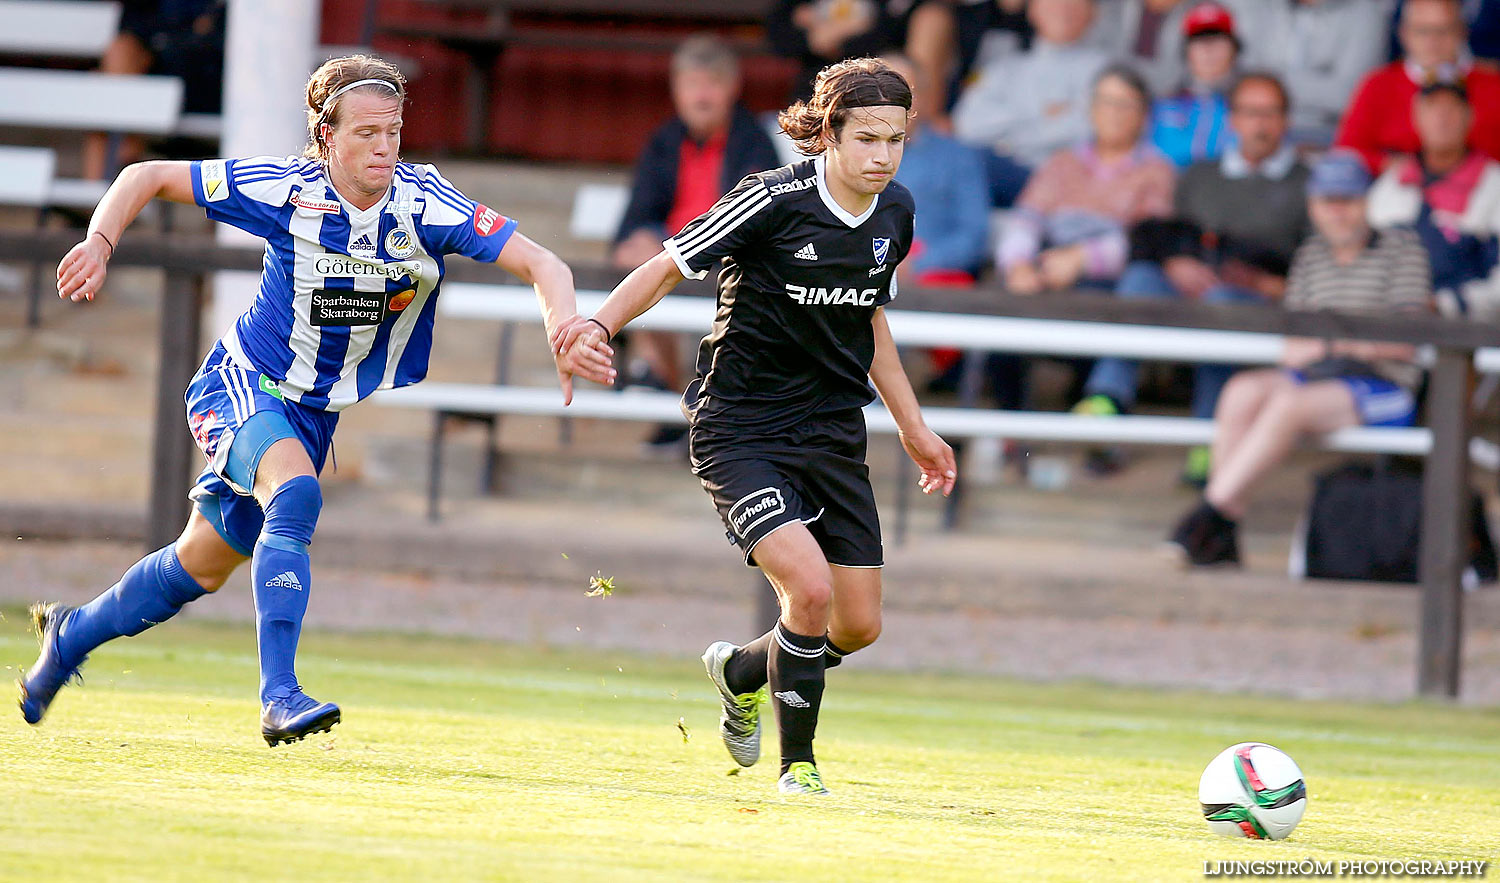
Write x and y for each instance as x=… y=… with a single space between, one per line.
x=188 y=260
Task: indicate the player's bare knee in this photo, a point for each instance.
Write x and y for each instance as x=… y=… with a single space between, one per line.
x=812 y=599
x=858 y=636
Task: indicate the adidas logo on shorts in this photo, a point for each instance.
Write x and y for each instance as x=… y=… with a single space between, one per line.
x=807 y=253
x=287 y=580
x=790 y=698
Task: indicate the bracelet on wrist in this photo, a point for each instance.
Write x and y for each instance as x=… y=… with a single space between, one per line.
x=101 y=235
x=602 y=327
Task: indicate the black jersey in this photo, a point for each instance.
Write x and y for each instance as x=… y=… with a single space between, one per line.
x=800 y=283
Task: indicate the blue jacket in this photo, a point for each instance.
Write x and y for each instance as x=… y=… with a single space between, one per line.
x=947 y=181
x=1189 y=127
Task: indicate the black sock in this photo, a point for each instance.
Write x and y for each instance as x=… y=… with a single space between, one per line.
x=795 y=672
x=745 y=672
x=1215 y=516
x=833 y=654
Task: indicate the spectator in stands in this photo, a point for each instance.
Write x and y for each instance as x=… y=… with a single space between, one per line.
x=817 y=32
x=985 y=31
x=1237 y=222
x=1069 y=227
x=1025 y=107
x=1449 y=194
x=687 y=165
x=177 y=38
x=1322 y=385
x=1483 y=20
x=952 y=240
x=1379 y=121
x=1192 y=124
x=1321 y=49
x=1149 y=34
x=1071 y=220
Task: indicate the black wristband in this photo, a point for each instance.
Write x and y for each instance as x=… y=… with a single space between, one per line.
x=111 y=245
x=607 y=335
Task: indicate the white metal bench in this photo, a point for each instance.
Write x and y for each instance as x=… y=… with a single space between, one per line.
x=58 y=28
x=517 y=304
x=49 y=99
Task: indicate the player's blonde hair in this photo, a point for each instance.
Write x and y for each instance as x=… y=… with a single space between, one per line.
x=858 y=82
x=333 y=75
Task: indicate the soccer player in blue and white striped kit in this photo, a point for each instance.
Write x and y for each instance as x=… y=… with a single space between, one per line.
x=355 y=241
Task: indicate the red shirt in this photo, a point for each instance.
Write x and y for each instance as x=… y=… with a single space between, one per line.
x=700 y=172
x=1379 y=120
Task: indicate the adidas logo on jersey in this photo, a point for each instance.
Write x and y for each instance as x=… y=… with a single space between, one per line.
x=790 y=698
x=363 y=245
x=287 y=580
x=807 y=253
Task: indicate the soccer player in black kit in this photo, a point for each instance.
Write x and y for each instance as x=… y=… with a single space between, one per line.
x=807 y=256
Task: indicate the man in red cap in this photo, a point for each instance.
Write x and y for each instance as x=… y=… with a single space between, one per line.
x=1193 y=123
x=1432 y=34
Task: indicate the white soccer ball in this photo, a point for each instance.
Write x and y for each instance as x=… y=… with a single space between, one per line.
x=1252 y=790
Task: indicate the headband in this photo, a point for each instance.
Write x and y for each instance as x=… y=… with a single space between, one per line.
x=328 y=102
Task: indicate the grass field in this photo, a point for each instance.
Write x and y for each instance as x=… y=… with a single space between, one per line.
x=463 y=760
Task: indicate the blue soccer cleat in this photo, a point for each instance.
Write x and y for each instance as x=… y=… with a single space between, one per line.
x=295 y=717
x=50 y=671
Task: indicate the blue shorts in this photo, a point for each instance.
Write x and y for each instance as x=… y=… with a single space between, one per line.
x=235 y=415
x=1378 y=401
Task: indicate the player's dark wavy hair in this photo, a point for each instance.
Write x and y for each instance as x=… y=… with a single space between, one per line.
x=858 y=82
x=334 y=74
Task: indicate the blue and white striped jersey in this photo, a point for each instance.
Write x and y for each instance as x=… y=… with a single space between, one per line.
x=347 y=297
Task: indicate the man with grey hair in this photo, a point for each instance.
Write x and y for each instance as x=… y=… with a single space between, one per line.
x=690 y=162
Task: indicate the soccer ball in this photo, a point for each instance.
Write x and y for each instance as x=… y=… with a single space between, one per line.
x=1252 y=790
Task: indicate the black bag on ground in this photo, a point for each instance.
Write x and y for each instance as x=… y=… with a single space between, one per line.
x=1365 y=523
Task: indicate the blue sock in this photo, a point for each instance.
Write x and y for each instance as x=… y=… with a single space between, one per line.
x=281 y=573
x=150 y=592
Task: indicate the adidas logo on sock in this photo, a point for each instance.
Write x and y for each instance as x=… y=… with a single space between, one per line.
x=807 y=253
x=790 y=698
x=287 y=580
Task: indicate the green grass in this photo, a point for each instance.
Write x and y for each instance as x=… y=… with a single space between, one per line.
x=463 y=760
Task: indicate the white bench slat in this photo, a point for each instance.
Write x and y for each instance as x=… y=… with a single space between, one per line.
x=91 y=101
x=60 y=28
x=663 y=407
x=26 y=175
x=208 y=126
x=1056 y=337
x=78 y=193
x=517 y=303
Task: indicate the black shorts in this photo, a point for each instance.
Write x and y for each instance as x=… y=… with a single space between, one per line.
x=815 y=475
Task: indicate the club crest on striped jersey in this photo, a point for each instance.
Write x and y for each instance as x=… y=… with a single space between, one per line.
x=882 y=247
x=399 y=244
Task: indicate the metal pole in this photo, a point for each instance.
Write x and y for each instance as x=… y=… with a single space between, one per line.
x=173 y=454
x=268 y=54
x=1445 y=539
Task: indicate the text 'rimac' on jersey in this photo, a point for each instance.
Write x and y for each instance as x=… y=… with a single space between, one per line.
x=800 y=279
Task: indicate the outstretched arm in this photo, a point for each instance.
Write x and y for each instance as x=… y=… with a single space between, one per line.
x=931 y=454
x=579 y=342
x=81 y=272
x=553 y=281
